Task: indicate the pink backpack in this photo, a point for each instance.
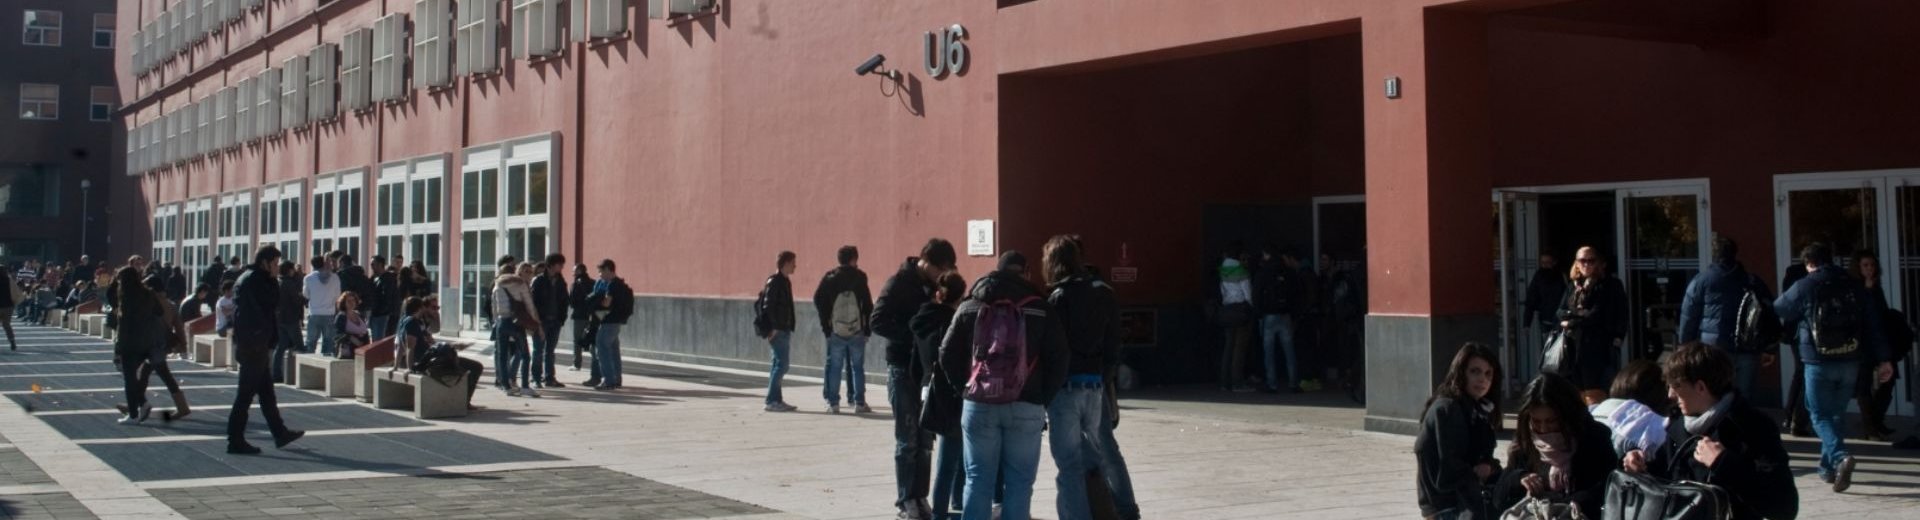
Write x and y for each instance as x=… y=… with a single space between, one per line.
x=1001 y=363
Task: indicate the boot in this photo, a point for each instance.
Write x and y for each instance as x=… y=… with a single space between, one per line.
x=180 y=409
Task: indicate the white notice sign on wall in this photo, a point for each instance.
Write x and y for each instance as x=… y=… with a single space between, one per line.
x=980 y=238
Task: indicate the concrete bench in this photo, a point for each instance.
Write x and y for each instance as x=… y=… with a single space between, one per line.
x=368 y=359
x=93 y=324
x=70 y=318
x=57 y=317
x=429 y=398
x=333 y=376
x=212 y=351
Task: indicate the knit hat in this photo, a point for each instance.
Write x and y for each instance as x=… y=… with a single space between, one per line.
x=1013 y=262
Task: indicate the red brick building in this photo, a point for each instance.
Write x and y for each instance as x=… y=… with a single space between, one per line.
x=59 y=141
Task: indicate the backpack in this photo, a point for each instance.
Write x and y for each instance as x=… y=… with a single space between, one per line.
x=437 y=357
x=1833 y=317
x=1758 y=328
x=846 y=315
x=1001 y=361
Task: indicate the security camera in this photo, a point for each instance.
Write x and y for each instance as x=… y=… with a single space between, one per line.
x=871 y=65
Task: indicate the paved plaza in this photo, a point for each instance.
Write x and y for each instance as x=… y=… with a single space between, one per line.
x=680 y=443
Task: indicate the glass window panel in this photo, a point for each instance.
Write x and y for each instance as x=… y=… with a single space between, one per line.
x=537 y=187
x=517 y=243
x=537 y=243
x=489 y=247
x=470 y=248
x=434 y=199
x=470 y=195
x=384 y=203
x=490 y=194
x=516 y=190
x=433 y=250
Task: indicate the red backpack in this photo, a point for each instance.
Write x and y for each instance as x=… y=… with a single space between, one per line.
x=1001 y=362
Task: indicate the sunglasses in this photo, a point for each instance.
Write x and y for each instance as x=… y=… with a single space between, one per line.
x=1588 y=260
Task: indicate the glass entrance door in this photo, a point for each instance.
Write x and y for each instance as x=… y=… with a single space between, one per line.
x=1855 y=214
x=1663 y=245
x=1516 y=261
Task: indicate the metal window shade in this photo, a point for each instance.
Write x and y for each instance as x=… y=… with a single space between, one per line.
x=577 y=20
x=521 y=28
x=268 y=122
x=293 y=92
x=488 y=51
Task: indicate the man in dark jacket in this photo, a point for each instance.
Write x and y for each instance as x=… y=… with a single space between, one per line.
x=1544 y=293
x=901 y=298
x=190 y=309
x=1833 y=355
x=550 y=302
x=844 y=302
x=292 y=309
x=255 y=328
x=615 y=303
x=215 y=273
x=773 y=320
x=583 y=317
x=156 y=281
x=1046 y=346
x=176 y=282
x=384 y=303
x=1710 y=312
x=1279 y=294
x=1721 y=439
x=354 y=278
x=1090 y=317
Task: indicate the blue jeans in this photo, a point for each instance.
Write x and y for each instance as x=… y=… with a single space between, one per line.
x=1829 y=387
x=1744 y=368
x=288 y=343
x=320 y=330
x=543 y=348
x=606 y=354
x=912 y=445
x=509 y=353
x=1075 y=418
x=949 y=476
x=848 y=356
x=1114 y=467
x=1278 y=328
x=377 y=327
x=781 y=343
x=1002 y=441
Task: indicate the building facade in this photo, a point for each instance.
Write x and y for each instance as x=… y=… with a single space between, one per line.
x=1429 y=147
x=59 y=157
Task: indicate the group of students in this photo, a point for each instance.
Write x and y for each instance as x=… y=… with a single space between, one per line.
x=1306 y=322
x=35 y=288
x=979 y=372
x=530 y=308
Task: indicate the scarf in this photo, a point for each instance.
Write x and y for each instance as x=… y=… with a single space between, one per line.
x=1707 y=422
x=1557 y=452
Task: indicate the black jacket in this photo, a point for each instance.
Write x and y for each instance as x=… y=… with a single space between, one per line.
x=1454 y=437
x=256 y=320
x=621 y=308
x=900 y=299
x=1753 y=467
x=929 y=329
x=293 y=305
x=842 y=279
x=1280 y=290
x=387 y=286
x=1544 y=293
x=1593 y=462
x=1046 y=339
x=582 y=306
x=354 y=279
x=550 y=298
x=155 y=283
x=177 y=286
x=1711 y=307
x=1599 y=314
x=1090 y=315
x=214 y=274
x=774 y=310
x=1794 y=301
x=190 y=309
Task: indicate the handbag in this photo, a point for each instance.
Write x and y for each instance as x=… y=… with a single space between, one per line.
x=1534 y=508
x=1632 y=496
x=1559 y=357
x=940 y=407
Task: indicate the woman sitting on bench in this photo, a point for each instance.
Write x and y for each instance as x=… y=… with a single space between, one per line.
x=416 y=334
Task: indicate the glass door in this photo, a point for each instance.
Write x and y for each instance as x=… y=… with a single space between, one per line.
x=1845 y=211
x=1663 y=245
x=1516 y=261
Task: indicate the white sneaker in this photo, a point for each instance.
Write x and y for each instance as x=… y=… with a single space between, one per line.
x=512 y=392
x=528 y=392
x=127 y=419
x=833 y=408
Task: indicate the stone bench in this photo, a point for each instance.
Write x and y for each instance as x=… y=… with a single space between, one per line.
x=428 y=397
x=93 y=324
x=366 y=360
x=56 y=317
x=70 y=318
x=333 y=376
x=212 y=351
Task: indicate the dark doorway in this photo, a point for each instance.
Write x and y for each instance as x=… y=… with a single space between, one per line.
x=1569 y=221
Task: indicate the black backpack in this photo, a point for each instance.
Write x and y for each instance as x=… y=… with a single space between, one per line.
x=1833 y=316
x=1759 y=326
x=435 y=359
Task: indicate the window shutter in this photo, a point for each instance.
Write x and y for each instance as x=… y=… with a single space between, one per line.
x=184 y=149
x=487 y=54
x=203 y=135
x=547 y=37
x=577 y=20
x=210 y=17
x=243 y=112
x=190 y=21
x=657 y=9
x=432 y=43
x=610 y=16
x=353 y=69
x=520 y=30
x=322 y=76
x=267 y=122
x=389 y=49
x=463 y=39
x=222 y=119
x=293 y=93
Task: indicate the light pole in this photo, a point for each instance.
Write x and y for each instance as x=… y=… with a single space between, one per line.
x=85 y=186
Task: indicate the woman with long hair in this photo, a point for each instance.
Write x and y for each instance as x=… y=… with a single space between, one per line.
x=1594 y=317
x=350 y=325
x=1559 y=453
x=1874 y=397
x=1457 y=436
x=140 y=339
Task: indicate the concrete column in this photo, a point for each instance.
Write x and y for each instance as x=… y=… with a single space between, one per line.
x=1428 y=201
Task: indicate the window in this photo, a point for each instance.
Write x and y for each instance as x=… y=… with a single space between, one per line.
x=104 y=100
x=432 y=45
x=188 y=123
x=41 y=27
x=598 y=19
x=175 y=38
x=293 y=93
x=536 y=28
x=222 y=119
x=243 y=99
x=337 y=212
x=29 y=191
x=507 y=194
x=662 y=9
x=479 y=38
x=190 y=21
x=322 y=73
x=389 y=55
x=39 y=101
x=267 y=104
x=355 y=80
x=210 y=17
x=103 y=31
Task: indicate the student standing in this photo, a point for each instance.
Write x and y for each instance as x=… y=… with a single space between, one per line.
x=582 y=306
x=1090 y=318
x=550 y=302
x=929 y=330
x=900 y=299
x=322 y=288
x=615 y=302
x=773 y=320
x=844 y=302
x=513 y=317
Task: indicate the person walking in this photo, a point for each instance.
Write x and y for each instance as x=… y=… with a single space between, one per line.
x=900 y=299
x=941 y=412
x=1002 y=425
x=1872 y=395
x=550 y=302
x=513 y=318
x=10 y=295
x=773 y=321
x=582 y=307
x=1458 y=431
x=321 y=288
x=1595 y=317
x=140 y=334
x=615 y=301
x=1837 y=323
x=844 y=303
x=292 y=306
x=1710 y=311
x=1089 y=316
x=255 y=329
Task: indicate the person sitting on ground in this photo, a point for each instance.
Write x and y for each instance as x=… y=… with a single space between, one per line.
x=350 y=326
x=1720 y=438
x=1561 y=454
x=416 y=334
x=193 y=307
x=1636 y=409
x=1454 y=451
